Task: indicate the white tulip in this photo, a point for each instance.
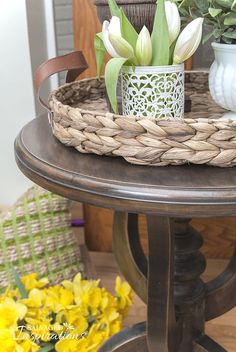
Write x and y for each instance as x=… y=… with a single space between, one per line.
x=173 y=20
x=188 y=41
x=115 y=45
x=106 y=40
x=144 y=47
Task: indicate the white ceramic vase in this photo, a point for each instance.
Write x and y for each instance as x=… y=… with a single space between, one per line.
x=153 y=91
x=222 y=78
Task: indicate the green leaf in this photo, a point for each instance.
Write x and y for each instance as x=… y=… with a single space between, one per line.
x=112 y=71
x=218 y=33
x=202 y=5
x=160 y=37
x=231 y=35
x=100 y=52
x=207 y=37
x=233 y=6
x=115 y=11
x=172 y=48
x=186 y=3
x=230 y=19
x=128 y=31
x=224 y=3
x=19 y=284
x=47 y=347
x=214 y=12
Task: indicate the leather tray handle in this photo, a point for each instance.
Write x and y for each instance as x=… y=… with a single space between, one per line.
x=73 y=62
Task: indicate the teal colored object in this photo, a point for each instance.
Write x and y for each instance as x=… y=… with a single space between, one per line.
x=36 y=236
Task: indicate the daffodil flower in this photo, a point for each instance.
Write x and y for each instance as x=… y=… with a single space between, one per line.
x=11 y=312
x=144 y=47
x=113 y=41
x=173 y=20
x=188 y=41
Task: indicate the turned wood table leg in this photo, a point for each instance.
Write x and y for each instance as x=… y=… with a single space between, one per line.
x=163 y=332
x=168 y=280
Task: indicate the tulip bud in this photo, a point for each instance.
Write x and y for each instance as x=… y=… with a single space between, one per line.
x=114 y=26
x=106 y=41
x=121 y=46
x=115 y=45
x=173 y=20
x=144 y=47
x=188 y=41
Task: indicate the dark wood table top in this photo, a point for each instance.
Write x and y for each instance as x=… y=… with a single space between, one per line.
x=189 y=190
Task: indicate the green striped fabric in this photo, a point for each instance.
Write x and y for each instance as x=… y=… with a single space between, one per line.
x=36 y=236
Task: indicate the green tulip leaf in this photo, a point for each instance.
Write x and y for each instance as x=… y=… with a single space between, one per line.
x=100 y=52
x=172 y=48
x=230 y=19
x=115 y=11
x=214 y=12
x=19 y=283
x=127 y=30
x=160 y=37
x=112 y=71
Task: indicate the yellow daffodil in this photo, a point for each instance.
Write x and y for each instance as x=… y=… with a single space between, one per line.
x=11 y=312
x=57 y=298
x=31 y=281
x=72 y=345
x=40 y=329
x=75 y=320
x=96 y=337
x=124 y=295
x=78 y=313
x=25 y=343
x=7 y=341
x=35 y=298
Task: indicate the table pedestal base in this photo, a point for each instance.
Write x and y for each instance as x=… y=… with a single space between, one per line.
x=134 y=339
x=168 y=280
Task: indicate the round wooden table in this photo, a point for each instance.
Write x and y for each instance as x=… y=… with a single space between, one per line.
x=168 y=279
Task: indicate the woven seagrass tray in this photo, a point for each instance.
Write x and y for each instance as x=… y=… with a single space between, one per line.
x=81 y=119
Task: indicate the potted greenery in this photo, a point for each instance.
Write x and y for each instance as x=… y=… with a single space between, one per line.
x=220 y=15
x=151 y=66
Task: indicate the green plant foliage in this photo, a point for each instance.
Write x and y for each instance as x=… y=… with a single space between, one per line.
x=127 y=30
x=114 y=9
x=47 y=347
x=100 y=52
x=160 y=37
x=112 y=71
x=219 y=14
x=19 y=284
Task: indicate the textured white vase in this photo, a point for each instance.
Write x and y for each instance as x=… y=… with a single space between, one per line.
x=153 y=91
x=222 y=78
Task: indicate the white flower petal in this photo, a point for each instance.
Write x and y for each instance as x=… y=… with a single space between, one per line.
x=143 y=48
x=121 y=46
x=106 y=40
x=173 y=20
x=188 y=41
x=114 y=26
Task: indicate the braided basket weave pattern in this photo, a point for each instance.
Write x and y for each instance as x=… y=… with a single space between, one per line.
x=80 y=119
x=36 y=236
